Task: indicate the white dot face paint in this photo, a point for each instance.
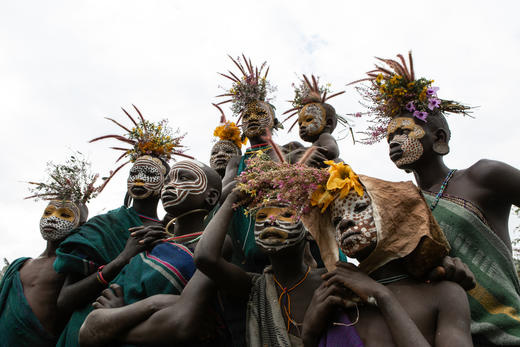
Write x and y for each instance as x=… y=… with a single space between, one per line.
x=58 y=220
x=256 y=118
x=406 y=134
x=221 y=152
x=276 y=227
x=311 y=120
x=353 y=220
x=146 y=177
x=185 y=178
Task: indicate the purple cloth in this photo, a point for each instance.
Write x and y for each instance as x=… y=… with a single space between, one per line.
x=340 y=335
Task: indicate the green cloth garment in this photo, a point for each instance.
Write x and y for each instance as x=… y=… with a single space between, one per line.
x=18 y=325
x=97 y=242
x=495 y=302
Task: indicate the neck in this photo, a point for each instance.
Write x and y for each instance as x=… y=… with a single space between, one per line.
x=50 y=249
x=190 y=222
x=393 y=268
x=256 y=140
x=288 y=265
x=430 y=172
x=146 y=207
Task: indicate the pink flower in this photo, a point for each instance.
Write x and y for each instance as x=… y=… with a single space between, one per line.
x=410 y=107
x=433 y=103
x=420 y=115
x=357 y=114
x=432 y=91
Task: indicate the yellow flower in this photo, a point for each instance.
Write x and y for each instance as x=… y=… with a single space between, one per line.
x=322 y=197
x=343 y=178
x=379 y=78
x=399 y=91
x=411 y=84
x=395 y=78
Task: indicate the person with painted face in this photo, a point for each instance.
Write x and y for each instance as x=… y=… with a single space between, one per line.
x=472 y=205
x=166 y=300
x=94 y=254
x=316 y=120
x=277 y=194
x=29 y=313
x=389 y=229
x=229 y=144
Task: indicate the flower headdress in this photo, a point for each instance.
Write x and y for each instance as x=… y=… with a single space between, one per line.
x=70 y=181
x=267 y=181
x=395 y=89
x=341 y=179
x=146 y=138
x=251 y=87
x=306 y=93
x=228 y=130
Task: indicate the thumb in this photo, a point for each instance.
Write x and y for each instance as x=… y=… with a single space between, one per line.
x=437 y=274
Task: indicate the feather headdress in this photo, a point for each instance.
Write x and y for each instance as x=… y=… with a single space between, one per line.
x=306 y=93
x=252 y=85
x=394 y=89
x=69 y=181
x=228 y=130
x=146 y=138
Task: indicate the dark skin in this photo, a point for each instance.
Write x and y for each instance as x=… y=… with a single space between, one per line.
x=160 y=319
x=288 y=266
x=491 y=185
x=77 y=290
x=408 y=312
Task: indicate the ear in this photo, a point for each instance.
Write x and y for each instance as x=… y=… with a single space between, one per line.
x=440 y=145
x=212 y=197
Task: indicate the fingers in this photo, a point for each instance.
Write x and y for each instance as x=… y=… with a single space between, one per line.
x=437 y=274
x=449 y=265
x=140 y=231
x=117 y=289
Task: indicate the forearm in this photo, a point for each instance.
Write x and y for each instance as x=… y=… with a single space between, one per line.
x=404 y=331
x=107 y=324
x=77 y=294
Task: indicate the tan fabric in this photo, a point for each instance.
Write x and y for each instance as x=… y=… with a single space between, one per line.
x=320 y=227
x=405 y=227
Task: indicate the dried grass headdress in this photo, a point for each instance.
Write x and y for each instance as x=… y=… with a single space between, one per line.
x=305 y=93
x=395 y=89
x=146 y=138
x=249 y=88
x=72 y=181
x=228 y=131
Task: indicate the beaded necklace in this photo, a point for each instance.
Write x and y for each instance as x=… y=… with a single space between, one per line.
x=443 y=186
x=286 y=292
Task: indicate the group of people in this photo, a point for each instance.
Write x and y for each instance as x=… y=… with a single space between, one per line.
x=254 y=248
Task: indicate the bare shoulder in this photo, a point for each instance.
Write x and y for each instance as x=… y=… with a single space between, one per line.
x=486 y=169
x=448 y=293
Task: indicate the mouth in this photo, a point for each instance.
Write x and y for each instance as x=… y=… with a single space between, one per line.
x=49 y=229
x=138 y=190
x=169 y=195
x=220 y=162
x=348 y=237
x=396 y=153
x=273 y=235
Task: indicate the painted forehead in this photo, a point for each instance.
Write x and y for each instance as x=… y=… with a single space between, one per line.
x=348 y=203
x=225 y=145
x=314 y=109
x=64 y=204
x=147 y=160
x=192 y=166
x=405 y=123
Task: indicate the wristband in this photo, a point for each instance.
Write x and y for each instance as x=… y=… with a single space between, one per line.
x=99 y=276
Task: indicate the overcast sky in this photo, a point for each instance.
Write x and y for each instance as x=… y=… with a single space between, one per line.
x=64 y=65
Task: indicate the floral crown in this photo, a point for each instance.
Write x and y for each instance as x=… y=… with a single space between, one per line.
x=341 y=179
x=266 y=181
x=228 y=130
x=394 y=89
x=306 y=93
x=251 y=87
x=70 y=181
x=146 y=138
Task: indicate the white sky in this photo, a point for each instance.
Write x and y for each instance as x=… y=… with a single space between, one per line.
x=64 y=65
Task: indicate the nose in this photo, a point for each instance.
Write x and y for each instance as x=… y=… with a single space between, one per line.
x=345 y=224
x=394 y=144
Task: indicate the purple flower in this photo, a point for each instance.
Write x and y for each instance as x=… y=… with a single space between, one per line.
x=433 y=103
x=432 y=91
x=410 y=107
x=420 y=115
x=357 y=114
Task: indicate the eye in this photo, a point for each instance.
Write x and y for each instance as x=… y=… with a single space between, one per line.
x=335 y=221
x=309 y=119
x=261 y=215
x=47 y=212
x=360 y=207
x=406 y=131
x=66 y=215
x=287 y=214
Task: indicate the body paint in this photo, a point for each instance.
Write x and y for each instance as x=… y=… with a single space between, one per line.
x=408 y=139
x=146 y=177
x=58 y=219
x=276 y=228
x=221 y=152
x=311 y=120
x=178 y=188
x=256 y=118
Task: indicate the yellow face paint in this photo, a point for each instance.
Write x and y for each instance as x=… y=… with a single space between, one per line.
x=311 y=120
x=277 y=227
x=284 y=214
x=414 y=131
x=58 y=219
x=403 y=135
x=256 y=118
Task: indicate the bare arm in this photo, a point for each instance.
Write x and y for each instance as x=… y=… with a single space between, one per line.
x=208 y=255
x=499 y=177
x=453 y=319
x=330 y=145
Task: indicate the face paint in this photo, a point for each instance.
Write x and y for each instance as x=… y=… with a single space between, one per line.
x=354 y=223
x=185 y=178
x=146 y=177
x=221 y=152
x=406 y=134
x=58 y=219
x=311 y=120
x=277 y=228
x=256 y=118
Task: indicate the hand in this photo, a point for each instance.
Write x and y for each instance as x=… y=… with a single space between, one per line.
x=349 y=276
x=453 y=269
x=141 y=238
x=111 y=297
x=318 y=157
x=325 y=301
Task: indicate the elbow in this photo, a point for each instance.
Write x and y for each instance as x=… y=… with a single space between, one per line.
x=87 y=335
x=205 y=262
